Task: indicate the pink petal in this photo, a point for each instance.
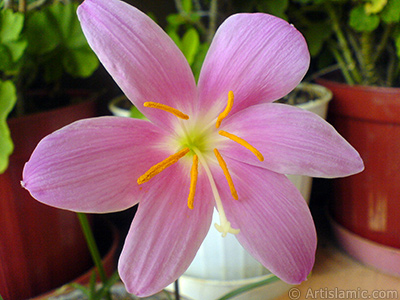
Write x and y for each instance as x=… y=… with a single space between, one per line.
x=140 y=56
x=92 y=165
x=275 y=224
x=165 y=234
x=292 y=141
x=257 y=56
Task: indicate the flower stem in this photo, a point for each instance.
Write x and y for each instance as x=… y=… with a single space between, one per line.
x=249 y=287
x=94 y=250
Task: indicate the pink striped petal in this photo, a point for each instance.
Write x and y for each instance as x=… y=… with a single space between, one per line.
x=275 y=224
x=92 y=165
x=292 y=141
x=140 y=56
x=165 y=234
x=257 y=56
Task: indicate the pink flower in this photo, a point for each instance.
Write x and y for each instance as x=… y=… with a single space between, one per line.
x=221 y=143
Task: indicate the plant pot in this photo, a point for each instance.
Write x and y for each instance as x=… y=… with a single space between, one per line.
x=37 y=241
x=367 y=204
x=107 y=238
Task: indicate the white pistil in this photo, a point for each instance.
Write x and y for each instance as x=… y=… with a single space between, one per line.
x=225 y=226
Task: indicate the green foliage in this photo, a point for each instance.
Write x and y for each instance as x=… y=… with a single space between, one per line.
x=12 y=44
x=276 y=8
x=55 y=38
x=8 y=97
x=361 y=21
x=187 y=29
x=40 y=44
x=391 y=12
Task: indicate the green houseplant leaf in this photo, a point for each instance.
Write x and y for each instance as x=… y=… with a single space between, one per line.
x=391 y=12
x=64 y=47
x=12 y=44
x=190 y=44
x=361 y=21
x=8 y=97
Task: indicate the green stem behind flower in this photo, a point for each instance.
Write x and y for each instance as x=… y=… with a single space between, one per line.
x=94 y=251
x=251 y=286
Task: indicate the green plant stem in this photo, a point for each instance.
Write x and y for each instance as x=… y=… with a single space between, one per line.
x=383 y=43
x=212 y=26
x=342 y=65
x=94 y=251
x=249 y=287
x=349 y=61
x=22 y=6
x=8 y=4
x=368 y=67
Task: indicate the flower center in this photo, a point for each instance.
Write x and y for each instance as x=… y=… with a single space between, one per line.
x=197 y=142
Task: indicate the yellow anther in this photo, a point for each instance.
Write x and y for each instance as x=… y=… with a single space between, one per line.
x=226 y=111
x=243 y=143
x=167 y=108
x=161 y=166
x=193 y=180
x=224 y=168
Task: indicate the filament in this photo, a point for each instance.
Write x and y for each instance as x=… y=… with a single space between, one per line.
x=193 y=180
x=226 y=111
x=167 y=108
x=224 y=168
x=161 y=166
x=243 y=143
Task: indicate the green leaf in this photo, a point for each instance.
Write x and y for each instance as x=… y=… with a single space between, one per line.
x=5 y=58
x=42 y=33
x=397 y=42
x=187 y=5
x=11 y=25
x=80 y=62
x=17 y=49
x=175 y=37
x=68 y=24
x=276 y=8
x=190 y=44
x=8 y=98
x=199 y=59
x=360 y=21
x=175 y=20
x=391 y=12
x=316 y=35
x=12 y=44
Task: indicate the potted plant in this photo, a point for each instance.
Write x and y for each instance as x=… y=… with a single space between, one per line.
x=363 y=38
x=43 y=60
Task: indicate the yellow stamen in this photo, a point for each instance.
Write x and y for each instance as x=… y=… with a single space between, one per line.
x=193 y=180
x=161 y=166
x=167 y=108
x=226 y=111
x=224 y=168
x=243 y=143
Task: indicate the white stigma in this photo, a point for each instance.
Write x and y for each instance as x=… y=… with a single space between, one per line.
x=225 y=226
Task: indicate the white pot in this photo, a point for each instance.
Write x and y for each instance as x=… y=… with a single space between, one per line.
x=319 y=106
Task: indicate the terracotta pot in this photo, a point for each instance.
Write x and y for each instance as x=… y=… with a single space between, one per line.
x=368 y=204
x=108 y=241
x=40 y=247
